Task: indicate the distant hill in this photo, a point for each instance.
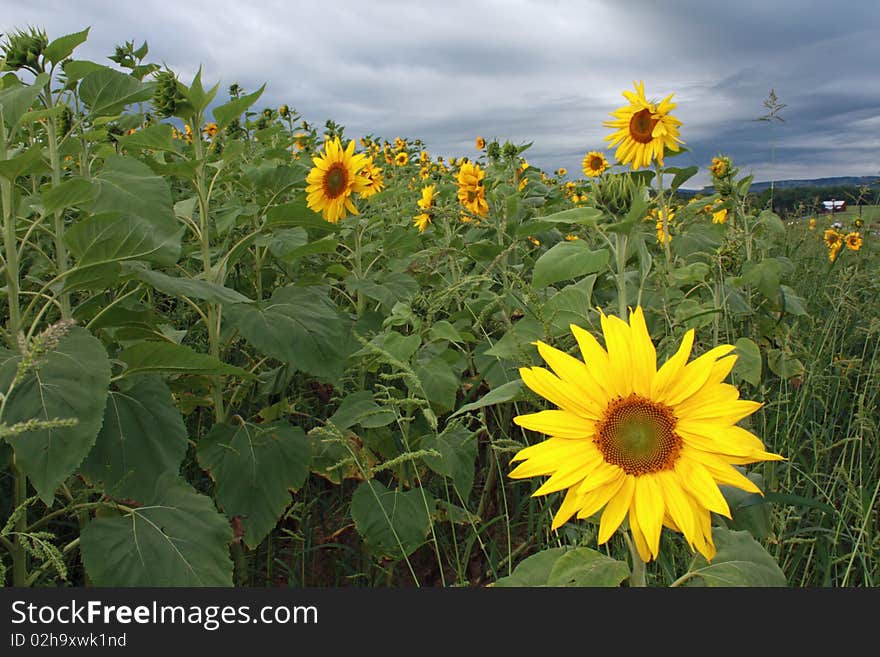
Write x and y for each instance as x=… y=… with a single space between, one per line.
x=808 y=182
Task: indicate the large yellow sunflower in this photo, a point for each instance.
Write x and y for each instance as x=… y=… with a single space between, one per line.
x=427 y=200
x=646 y=444
x=334 y=178
x=594 y=164
x=471 y=193
x=643 y=129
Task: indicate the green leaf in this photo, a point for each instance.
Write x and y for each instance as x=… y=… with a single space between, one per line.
x=697 y=239
x=71 y=381
x=129 y=186
x=783 y=364
x=17 y=100
x=298 y=325
x=740 y=561
x=518 y=339
x=533 y=570
x=688 y=275
x=393 y=523
x=254 y=468
x=439 y=382
x=77 y=69
x=748 y=363
x=63 y=46
x=196 y=94
x=681 y=175
x=388 y=288
x=748 y=510
x=583 y=216
x=192 y=287
x=171 y=358
x=566 y=567
x=155 y=137
x=585 y=567
x=360 y=408
x=510 y=391
x=30 y=161
x=793 y=303
x=289 y=215
x=225 y=114
x=107 y=92
x=765 y=276
x=177 y=539
x=142 y=438
x=571 y=305
x=771 y=222
x=458 y=454
x=72 y=192
x=568 y=260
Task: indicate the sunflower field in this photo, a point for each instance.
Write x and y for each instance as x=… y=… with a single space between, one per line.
x=243 y=349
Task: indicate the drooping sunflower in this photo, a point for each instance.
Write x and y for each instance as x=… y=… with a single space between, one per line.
x=480 y=143
x=375 y=179
x=643 y=129
x=334 y=178
x=471 y=193
x=594 y=164
x=853 y=241
x=422 y=221
x=651 y=445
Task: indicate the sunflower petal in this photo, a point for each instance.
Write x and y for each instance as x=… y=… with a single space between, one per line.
x=616 y=509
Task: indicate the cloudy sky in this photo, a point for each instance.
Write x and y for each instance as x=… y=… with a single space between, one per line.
x=541 y=71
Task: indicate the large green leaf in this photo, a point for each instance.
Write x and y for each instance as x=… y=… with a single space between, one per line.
x=191 y=287
x=254 y=468
x=567 y=567
x=740 y=561
x=748 y=362
x=15 y=101
x=458 y=454
x=359 y=408
x=171 y=358
x=62 y=47
x=225 y=114
x=176 y=539
x=298 y=325
x=142 y=438
x=571 y=305
x=73 y=191
x=393 y=523
x=510 y=391
x=568 y=260
x=107 y=92
x=71 y=381
x=128 y=186
x=156 y=137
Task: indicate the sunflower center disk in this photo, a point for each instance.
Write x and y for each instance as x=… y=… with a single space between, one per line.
x=335 y=180
x=595 y=163
x=641 y=126
x=638 y=436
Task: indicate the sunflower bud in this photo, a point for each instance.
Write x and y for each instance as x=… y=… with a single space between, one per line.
x=23 y=50
x=168 y=99
x=284 y=111
x=509 y=150
x=65 y=121
x=493 y=150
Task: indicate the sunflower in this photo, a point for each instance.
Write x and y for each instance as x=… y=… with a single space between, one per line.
x=471 y=193
x=375 y=179
x=334 y=178
x=422 y=221
x=832 y=238
x=833 y=251
x=480 y=143
x=643 y=129
x=211 y=129
x=594 y=164
x=719 y=217
x=561 y=171
x=651 y=444
x=427 y=200
x=812 y=223
x=401 y=158
x=853 y=241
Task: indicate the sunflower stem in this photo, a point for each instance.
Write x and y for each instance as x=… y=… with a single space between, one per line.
x=620 y=257
x=664 y=213
x=638 y=576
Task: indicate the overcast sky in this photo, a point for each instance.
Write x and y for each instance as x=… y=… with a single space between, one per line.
x=542 y=71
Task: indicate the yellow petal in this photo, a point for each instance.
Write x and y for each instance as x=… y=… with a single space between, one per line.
x=639 y=537
x=650 y=507
x=567 y=509
x=601 y=475
x=617 y=341
x=672 y=367
x=721 y=471
x=616 y=510
x=679 y=506
x=595 y=358
x=643 y=353
x=696 y=480
x=594 y=500
x=560 y=424
x=693 y=376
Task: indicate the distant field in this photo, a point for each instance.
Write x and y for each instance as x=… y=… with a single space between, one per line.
x=869 y=213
